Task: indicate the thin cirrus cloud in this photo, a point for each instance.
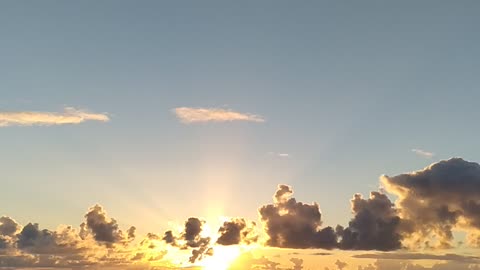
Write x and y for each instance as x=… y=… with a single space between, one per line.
x=423 y=153
x=190 y=115
x=70 y=115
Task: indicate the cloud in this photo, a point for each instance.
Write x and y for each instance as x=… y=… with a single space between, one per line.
x=423 y=153
x=103 y=228
x=341 y=265
x=191 y=238
x=31 y=118
x=67 y=247
x=8 y=226
x=198 y=115
x=437 y=199
x=374 y=226
x=292 y=224
x=405 y=265
x=419 y=256
x=237 y=231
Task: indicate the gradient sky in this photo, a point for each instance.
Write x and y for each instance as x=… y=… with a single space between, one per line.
x=347 y=90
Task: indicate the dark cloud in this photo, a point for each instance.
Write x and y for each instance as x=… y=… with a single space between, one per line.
x=439 y=198
x=191 y=238
x=8 y=226
x=292 y=224
x=237 y=231
x=103 y=228
x=375 y=225
x=32 y=236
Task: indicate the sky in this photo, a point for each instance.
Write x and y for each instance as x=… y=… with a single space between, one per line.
x=160 y=111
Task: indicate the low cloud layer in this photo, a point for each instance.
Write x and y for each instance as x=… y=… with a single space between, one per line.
x=31 y=118
x=201 y=115
x=431 y=203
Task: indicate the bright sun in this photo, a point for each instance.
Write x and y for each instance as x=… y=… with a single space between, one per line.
x=222 y=258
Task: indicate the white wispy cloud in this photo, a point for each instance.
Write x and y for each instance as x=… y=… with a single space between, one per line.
x=197 y=115
x=423 y=153
x=280 y=155
x=33 y=118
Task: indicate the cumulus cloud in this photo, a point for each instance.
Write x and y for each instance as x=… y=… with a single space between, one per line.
x=292 y=224
x=103 y=228
x=198 y=115
x=437 y=199
x=31 y=246
x=8 y=226
x=32 y=118
x=237 y=231
x=423 y=153
x=374 y=226
x=191 y=238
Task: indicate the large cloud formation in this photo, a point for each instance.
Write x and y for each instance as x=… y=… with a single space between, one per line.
x=374 y=226
x=431 y=204
x=32 y=118
x=292 y=224
x=99 y=242
x=437 y=199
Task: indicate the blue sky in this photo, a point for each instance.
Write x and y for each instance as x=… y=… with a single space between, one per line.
x=347 y=90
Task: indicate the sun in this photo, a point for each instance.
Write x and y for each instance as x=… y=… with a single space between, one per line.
x=222 y=258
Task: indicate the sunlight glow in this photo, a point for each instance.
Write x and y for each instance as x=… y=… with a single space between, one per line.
x=222 y=258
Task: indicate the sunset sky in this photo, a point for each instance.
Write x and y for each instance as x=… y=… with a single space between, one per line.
x=198 y=122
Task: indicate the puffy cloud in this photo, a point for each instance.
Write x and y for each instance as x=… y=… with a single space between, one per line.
x=67 y=247
x=191 y=238
x=237 y=231
x=437 y=199
x=197 y=115
x=8 y=226
x=374 y=226
x=103 y=228
x=292 y=224
x=31 y=118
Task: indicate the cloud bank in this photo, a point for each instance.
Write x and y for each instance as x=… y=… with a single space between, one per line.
x=432 y=203
x=31 y=118
x=189 y=115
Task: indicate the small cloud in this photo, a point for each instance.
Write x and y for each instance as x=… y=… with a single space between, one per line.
x=280 y=155
x=423 y=153
x=198 y=115
x=32 y=118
